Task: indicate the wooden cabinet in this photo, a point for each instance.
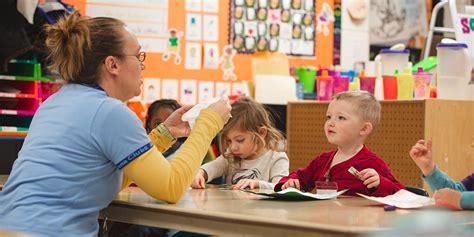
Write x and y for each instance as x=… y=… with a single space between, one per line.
x=449 y=123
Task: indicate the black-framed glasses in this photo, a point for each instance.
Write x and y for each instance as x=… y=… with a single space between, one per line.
x=141 y=56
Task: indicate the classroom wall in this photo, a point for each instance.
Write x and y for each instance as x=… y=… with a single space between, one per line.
x=157 y=68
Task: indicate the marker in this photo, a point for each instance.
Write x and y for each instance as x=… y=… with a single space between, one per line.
x=389 y=208
x=353 y=171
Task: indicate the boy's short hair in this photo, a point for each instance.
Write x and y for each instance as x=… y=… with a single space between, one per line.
x=368 y=107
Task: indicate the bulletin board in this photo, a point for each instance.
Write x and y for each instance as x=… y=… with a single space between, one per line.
x=277 y=26
x=160 y=74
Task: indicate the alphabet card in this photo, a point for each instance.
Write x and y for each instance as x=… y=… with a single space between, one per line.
x=169 y=89
x=211 y=56
x=222 y=89
x=188 y=92
x=151 y=89
x=210 y=28
x=193 y=27
x=206 y=91
x=193 y=56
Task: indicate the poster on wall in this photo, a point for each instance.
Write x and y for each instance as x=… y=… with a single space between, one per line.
x=222 y=89
x=193 y=5
x=148 y=19
x=237 y=89
x=151 y=89
x=169 y=89
x=188 y=92
x=193 y=56
x=276 y=26
x=464 y=27
x=173 y=46
x=206 y=91
x=211 y=6
x=210 y=28
x=211 y=56
x=193 y=27
x=396 y=21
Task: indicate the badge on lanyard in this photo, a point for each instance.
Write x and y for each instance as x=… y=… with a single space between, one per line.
x=326 y=186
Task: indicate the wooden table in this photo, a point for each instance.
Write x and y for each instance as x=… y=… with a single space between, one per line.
x=11 y=233
x=236 y=213
x=3 y=179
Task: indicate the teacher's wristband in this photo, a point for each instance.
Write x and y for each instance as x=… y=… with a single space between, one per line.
x=163 y=130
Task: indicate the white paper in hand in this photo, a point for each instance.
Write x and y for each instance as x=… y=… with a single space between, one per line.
x=193 y=113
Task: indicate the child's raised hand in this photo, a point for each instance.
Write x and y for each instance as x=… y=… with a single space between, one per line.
x=246 y=183
x=447 y=196
x=370 y=177
x=420 y=153
x=199 y=180
x=291 y=183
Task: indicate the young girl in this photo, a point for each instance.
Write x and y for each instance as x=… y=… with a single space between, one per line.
x=250 y=146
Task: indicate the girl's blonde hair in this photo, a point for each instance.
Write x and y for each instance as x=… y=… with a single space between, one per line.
x=78 y=46
x=249 y=115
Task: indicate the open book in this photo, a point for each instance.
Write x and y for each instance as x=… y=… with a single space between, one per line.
x=297 y=195
x=403 y=199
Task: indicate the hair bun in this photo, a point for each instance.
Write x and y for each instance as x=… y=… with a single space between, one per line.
x=66 y=41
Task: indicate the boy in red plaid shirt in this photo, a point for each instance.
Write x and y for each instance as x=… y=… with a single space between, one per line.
x=350 y=119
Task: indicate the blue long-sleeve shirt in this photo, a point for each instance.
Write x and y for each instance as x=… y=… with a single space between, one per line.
x=438 y=180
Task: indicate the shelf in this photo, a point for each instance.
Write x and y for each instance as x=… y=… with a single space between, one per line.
x=15 y=121
x=16 y=112
x=22 y=78
x=19 y=89
x=25 y=106
x=13 y=129
x=12 y=137
x=23 y=71
x=13 y=95
x=22 y=89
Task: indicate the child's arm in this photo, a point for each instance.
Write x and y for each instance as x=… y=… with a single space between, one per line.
x=216 y=168
x=451 y=192
x=388 y=183
x=200 y=179
x=467 y=200
x=304 y=176
x=438 y=180
x=279 y=169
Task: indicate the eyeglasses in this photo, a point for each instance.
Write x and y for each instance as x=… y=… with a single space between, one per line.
x=140 y=56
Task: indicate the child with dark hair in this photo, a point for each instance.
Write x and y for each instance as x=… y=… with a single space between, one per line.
x=158 y=112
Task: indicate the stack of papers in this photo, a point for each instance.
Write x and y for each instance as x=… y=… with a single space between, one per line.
x=297 y=195
x=403 y=199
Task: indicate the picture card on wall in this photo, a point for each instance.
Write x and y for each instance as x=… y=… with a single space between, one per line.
x=193 y=27
x=193 y=5
x=151 y=89
x=237 y=89
x=169 y=89
x=211 y=56
x=222 y=89
x=193 y=56
x=206 y=91
x=188 y=92
x=210 y=6
x=211 y=28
